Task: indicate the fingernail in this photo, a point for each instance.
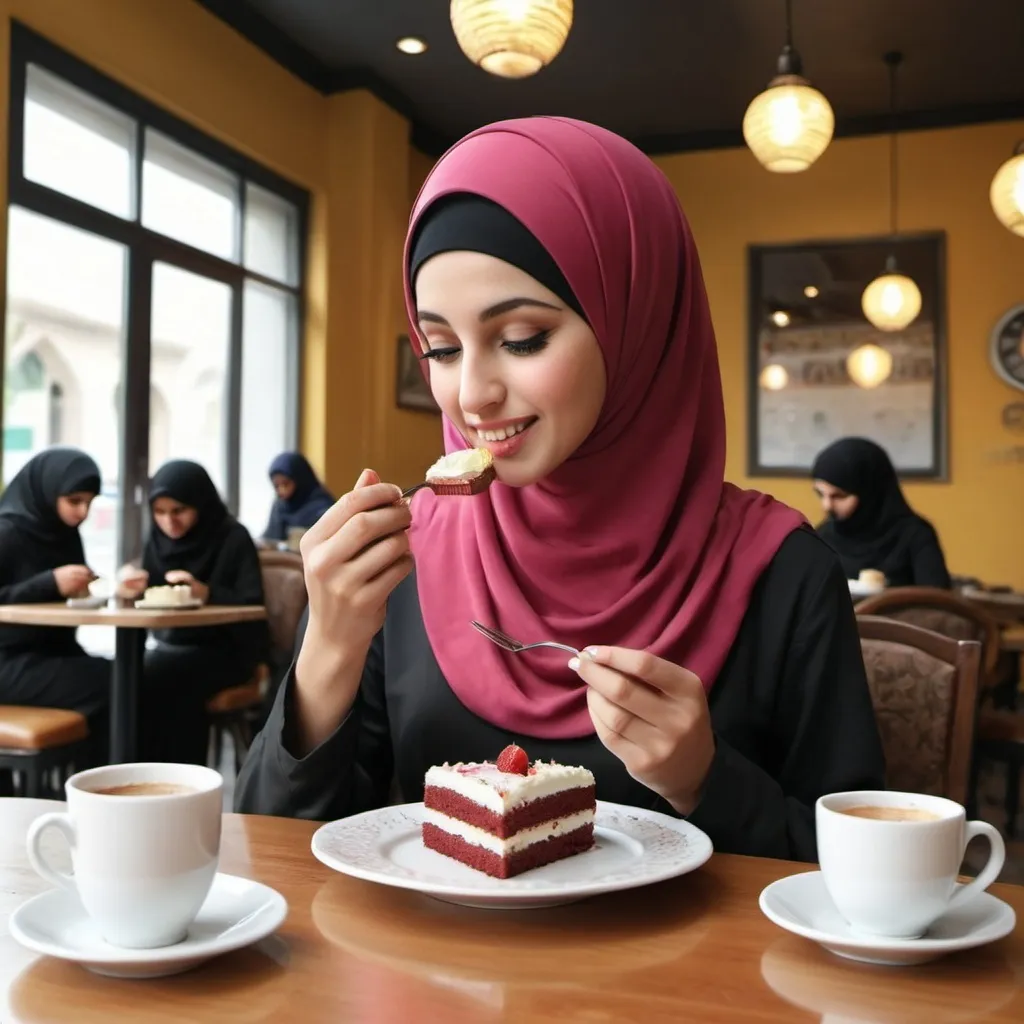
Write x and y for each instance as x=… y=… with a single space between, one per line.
x=574 y=664
x=590 y=652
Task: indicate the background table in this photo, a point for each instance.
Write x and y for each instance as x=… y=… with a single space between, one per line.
x=130 y=627
x=693 y=949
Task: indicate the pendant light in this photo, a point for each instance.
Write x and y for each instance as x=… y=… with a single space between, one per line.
x=790 y=124
x=892 y=301
x=869 y=365
x=511 y=38
x=1007 y=192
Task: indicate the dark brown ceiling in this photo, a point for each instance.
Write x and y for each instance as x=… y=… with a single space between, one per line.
x=670 y=74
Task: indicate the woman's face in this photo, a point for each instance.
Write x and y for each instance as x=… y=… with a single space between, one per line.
x=835 y=501
x=284 y=486
x=173 y=518
x=73 y=508
x=514 y=369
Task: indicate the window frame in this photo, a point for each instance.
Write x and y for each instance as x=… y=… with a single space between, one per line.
x=144 y=248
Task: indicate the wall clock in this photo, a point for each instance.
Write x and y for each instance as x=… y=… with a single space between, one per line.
x=1006 y=346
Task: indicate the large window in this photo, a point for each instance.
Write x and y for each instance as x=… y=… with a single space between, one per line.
x=154 y=296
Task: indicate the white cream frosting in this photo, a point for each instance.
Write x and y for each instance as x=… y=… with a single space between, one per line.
x=461 y=463
x=522 y=839
x=500 y=791
x=181 y=593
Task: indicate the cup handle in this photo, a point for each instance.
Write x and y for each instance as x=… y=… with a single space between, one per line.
x=990 y=872
x=62 y=823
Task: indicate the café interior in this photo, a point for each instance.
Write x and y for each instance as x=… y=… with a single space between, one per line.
x=207 y=211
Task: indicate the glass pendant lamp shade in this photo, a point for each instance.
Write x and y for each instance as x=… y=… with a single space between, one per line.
x=1007 y=192
x=869 y=365
x=511 y=38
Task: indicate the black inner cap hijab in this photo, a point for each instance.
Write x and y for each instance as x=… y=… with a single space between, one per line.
x=465 y=222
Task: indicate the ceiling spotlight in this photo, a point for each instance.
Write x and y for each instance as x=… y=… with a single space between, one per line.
x=811 y=292
x=411 y=45
x=780 y=318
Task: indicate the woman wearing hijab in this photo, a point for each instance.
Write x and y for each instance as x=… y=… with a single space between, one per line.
x=194 y=541
x=301 y=498
x=562 y=316
x=41 y=559
x=869 y=524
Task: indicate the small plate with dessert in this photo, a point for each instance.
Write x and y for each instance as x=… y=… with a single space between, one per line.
x=867 y=584
x=512 y=835
x=177 y=598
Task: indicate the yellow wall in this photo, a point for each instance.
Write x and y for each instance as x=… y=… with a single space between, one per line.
x=732 y=202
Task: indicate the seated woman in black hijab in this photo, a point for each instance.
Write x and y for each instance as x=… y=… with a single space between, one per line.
x=41 y=559
x=869 y=524
x=301 y=498
x=194 y=540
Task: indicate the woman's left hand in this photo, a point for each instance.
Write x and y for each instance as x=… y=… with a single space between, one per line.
x=179 y=577
x=654 y=717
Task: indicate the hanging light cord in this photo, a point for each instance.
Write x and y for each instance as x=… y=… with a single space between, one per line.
x=789 y=24
x=893 y=60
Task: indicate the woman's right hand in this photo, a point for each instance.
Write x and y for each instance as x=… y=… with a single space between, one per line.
x=73 y=580
x=353 y=558
x=131 y=581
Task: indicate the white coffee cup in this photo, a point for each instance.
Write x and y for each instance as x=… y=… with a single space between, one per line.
x=143 y=862
x=894 y=877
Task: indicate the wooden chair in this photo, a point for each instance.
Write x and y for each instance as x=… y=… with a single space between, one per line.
x=924 y=687
x=999 y=734
x=236 y=711
x=944 y=612
x=36 y=741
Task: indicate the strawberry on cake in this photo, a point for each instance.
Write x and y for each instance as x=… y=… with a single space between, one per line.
x=506 y=817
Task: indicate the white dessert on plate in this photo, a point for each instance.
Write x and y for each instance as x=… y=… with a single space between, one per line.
x=174 y=596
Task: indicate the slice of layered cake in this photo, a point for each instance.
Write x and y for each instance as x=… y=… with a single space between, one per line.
x=506 y=817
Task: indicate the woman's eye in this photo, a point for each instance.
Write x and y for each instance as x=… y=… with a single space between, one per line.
x=440 y=355
x=527 y=346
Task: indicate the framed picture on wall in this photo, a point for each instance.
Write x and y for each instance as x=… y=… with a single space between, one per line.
x=818 y=370
x=411 y=388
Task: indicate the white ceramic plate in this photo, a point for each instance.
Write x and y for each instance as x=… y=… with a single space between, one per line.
x=858 y=589
x=237 y=913
x=633 y=847
x=86 y=602
x=801 y=904
x=185 y=606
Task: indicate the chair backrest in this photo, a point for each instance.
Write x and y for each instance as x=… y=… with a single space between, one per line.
x=924 y=687
x=941 y=611
x=284 y=593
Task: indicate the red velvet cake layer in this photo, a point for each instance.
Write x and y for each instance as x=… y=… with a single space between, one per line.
x=548 y=808
x=490 y=863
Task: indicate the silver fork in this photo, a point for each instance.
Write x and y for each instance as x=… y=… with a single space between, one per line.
x=504 y=641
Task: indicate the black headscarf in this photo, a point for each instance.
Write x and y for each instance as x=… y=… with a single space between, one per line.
x=196 y=552
x=30 y=501
x=463 y=221
x=310 y=499
x=882 y=522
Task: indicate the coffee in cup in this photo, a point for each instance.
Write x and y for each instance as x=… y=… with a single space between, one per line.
x=145 y=840
x=144 y=789
x=890 y=860
x=890 y=813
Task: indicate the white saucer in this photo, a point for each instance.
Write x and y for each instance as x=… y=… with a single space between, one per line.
x=632 y=847
x=237 y=913
x=801 y=904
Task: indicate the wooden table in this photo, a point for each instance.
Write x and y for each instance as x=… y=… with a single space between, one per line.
x=130 y=627
x=693 y=949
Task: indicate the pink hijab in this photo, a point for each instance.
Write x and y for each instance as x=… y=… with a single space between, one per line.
x=635 y=540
